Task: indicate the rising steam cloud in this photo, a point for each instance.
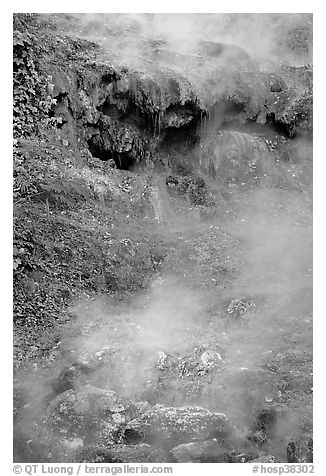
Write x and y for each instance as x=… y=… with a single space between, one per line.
x=272 y=226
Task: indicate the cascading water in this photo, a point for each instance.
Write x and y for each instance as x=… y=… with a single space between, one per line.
x=214 y=349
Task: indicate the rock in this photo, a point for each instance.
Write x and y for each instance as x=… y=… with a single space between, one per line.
x=300 y=363
x=266 y=419
x=234 y=450
x=120 y=454
x=67 y=379
x=75 y=419
x=268 y=398
x=199 y=452
x=240 y=308
x=210 y=358
x=111 y=163
x=292 y=109
x=300 y=451
x=162 y=364
x=265 y=423
x=166 y=361
x=258 y=437
x=237 y=456
x=238 y=158
x=142 y=407
x=171 y=426
x=90 y=413
x=276 y=83
x=177 y=118
x=59 y=82
x=264 y=459
x=127 y=103
x=191 y=187
x=79 y=371
x=35 y=442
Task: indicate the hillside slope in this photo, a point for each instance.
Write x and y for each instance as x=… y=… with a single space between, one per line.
x=162 y=246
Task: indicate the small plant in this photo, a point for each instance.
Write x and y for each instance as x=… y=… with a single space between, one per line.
x=65 y=193
x=23 y=251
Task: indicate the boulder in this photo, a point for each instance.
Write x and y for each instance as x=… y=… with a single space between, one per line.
x=90 y=413
x=210 y=358
x=171 y=426
x=199 y=452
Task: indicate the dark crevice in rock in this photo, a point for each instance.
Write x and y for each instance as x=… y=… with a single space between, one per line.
x=108 y=78
x=131 y=116
x=181 y=140
x=98 y=150
x=286 y=129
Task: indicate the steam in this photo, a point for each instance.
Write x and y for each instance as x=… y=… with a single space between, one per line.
x=177 y=320
x=145 y=39
x=173 y=317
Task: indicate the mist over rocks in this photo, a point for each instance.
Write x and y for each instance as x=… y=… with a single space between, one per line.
x=88 y=411
x=115 y=107
x=162 y=237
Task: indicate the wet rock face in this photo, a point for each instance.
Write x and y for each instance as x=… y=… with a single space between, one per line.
x=120 y=454
x=121 y=113
x=237 y=159
x=124 y=110
x=170 y=426
x=117 y=111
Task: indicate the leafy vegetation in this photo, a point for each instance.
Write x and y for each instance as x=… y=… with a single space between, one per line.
x=32 y=99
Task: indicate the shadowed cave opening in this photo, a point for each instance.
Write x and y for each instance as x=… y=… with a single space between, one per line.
x=122 y=160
